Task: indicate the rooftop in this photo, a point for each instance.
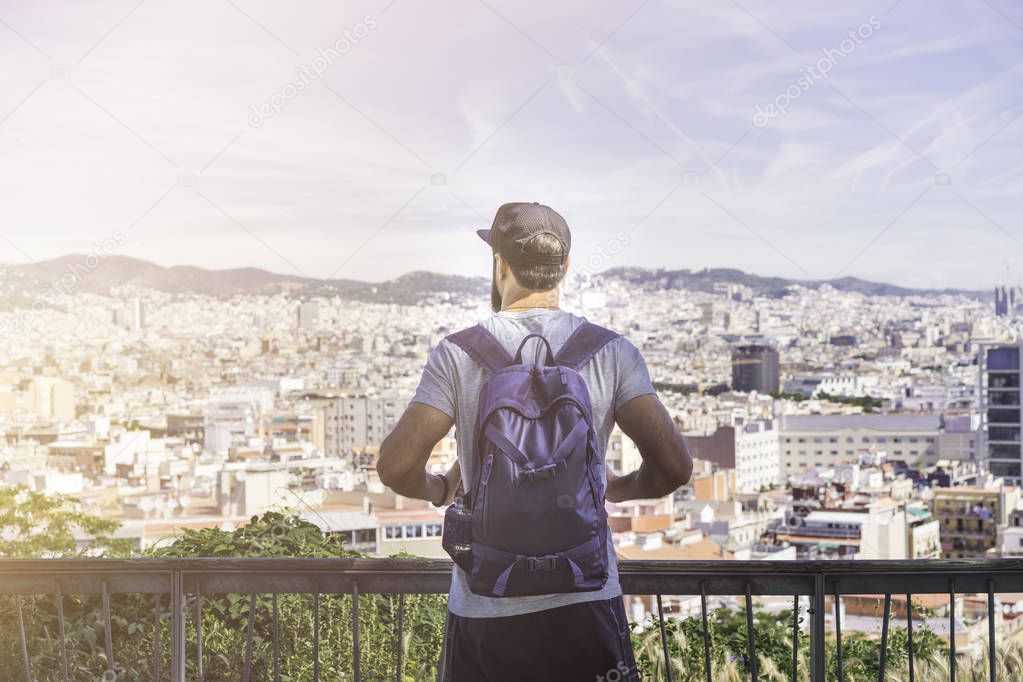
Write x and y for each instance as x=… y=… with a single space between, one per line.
x=887 y=423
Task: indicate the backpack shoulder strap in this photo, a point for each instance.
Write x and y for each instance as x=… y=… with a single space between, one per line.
x=482 y=347
x=583 y=344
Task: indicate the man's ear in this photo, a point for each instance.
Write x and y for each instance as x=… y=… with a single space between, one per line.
x=503 y=267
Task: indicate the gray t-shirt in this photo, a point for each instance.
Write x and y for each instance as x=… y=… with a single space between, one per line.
x=451 y=383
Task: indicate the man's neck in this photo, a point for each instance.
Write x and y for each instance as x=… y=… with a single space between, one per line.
x=545 y=300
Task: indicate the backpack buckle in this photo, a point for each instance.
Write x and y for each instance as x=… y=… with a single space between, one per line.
x=541 y=563
x=544 y=473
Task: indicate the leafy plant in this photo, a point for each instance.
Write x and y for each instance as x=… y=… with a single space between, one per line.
x=34 y=525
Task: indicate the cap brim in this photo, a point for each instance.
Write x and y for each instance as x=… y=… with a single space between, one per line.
x=484 y=235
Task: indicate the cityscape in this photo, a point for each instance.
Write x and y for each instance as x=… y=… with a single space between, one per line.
x=843 y=420
x=234 y=234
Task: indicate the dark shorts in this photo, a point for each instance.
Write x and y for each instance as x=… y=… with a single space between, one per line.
x=586 y=642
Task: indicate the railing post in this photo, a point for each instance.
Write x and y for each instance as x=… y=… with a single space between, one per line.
x=991 y=628
x=664 y=641
x=795 y=639
x=909 y=634
x=399 y=677
x=177 y=627
x=818 y=666
x=706 y=630
x=838 y=633
x=277 y=641
x=356 y=652
x=316 y=635
x=199 y=674
x=752 y=666
x=25 y=661
x=61 y=631
x=108 y=635
x=157 y=647
x=884 y=637
x=247 y=666
x=952 y=630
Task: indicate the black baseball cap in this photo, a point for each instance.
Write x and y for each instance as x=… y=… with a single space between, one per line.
x=516 y=224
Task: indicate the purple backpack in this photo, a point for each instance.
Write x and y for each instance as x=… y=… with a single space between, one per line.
x=534 y=520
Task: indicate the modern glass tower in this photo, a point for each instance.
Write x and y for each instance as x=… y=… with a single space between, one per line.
x=1001 y=410
x=755 y=368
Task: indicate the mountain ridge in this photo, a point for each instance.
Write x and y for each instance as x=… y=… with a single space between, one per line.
x=117 y=271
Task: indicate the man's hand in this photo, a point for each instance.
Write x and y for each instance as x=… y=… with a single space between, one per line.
x=666 y=460
x=454 y=479
x=610 y=473
x=406 y=450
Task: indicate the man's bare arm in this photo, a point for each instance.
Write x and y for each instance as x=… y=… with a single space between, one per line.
x=666 y=460
x=406 y=450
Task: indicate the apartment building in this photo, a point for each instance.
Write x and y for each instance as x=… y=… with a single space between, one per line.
x=924 y=534
x=1010 y=536
x=232 y=416
x=959 y=439
x=818 y=441
x=1001 y=410
x=970 y=516
x=750 y=449
x=881 y=530
x=354 y=422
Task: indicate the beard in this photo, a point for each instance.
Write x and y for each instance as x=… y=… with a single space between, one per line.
x=495 y=295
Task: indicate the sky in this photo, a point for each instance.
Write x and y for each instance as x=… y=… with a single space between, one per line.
x=366 y=139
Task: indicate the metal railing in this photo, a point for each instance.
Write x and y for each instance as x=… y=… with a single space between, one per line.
x=815 y=580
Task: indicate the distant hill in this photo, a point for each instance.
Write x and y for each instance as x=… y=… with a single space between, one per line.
x=22 y=282
x=119 y=271
x=704 y=280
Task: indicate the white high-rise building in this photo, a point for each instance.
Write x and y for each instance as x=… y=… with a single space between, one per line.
x=52 y=398
x=233 y=415
x=750 y=449
x=358 y=421
x=138 y=314
x=308 y=315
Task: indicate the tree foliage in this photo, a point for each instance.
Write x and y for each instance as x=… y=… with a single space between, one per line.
x=225 y=621
x=36 y=525
x=772 y=636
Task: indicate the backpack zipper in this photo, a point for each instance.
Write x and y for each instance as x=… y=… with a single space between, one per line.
x=488 y=464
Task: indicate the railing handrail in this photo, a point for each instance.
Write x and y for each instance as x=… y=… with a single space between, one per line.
x=432 y=576
x=413 y=564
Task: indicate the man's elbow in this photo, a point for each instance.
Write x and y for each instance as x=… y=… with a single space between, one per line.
x=679 y=467
x=389 y=474
x=685 y=472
